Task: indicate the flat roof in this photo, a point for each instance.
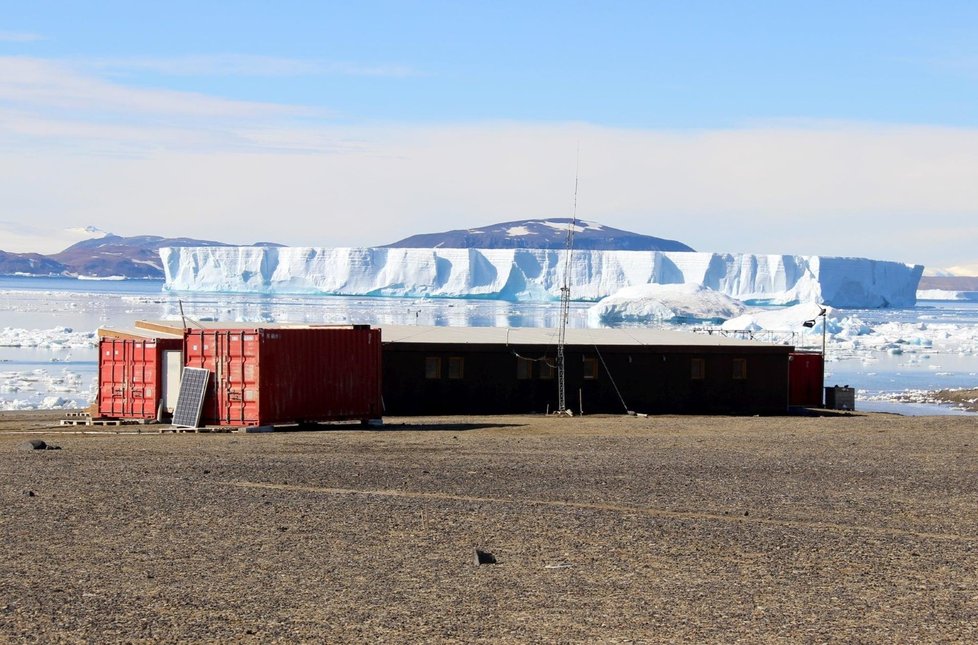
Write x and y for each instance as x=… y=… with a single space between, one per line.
x=434 y=335
x=136 y=333
x=176 y=326
x=626 y=336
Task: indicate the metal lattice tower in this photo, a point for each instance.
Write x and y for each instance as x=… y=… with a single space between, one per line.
x=565 y=311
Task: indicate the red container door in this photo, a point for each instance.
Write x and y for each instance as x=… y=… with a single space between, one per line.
x=111 y=377
x=231 y=356
x=128 y=377
x=198 y=351
x=805 y=375
x=236 y=382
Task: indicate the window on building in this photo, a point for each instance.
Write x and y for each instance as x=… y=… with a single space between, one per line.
x=456 y=368
x=524 y=368
x=590 y=368
x=432 y=367
x=548 y=369
x=697 y=369
x=739 y=369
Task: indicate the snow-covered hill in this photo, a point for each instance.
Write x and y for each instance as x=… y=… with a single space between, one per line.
x=537 y=274
x=540 y=234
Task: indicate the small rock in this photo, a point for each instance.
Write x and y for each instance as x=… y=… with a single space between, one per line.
x=30 y=493
x=33 y=444
x=746 y=513
x=483 y=557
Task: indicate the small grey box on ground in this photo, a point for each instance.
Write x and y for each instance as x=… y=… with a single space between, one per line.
x=840 y=398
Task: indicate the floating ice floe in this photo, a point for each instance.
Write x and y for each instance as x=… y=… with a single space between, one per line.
x=54 y=338
x=39 y=389
x=848 y=336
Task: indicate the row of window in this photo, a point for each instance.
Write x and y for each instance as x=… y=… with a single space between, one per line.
x=697 y=369
x=547 y=369
x=433 y=368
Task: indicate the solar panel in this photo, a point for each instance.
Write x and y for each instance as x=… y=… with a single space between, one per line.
x=190 y=401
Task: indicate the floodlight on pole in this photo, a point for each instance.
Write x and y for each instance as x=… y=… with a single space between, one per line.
x=811 y=323
x=823 y=314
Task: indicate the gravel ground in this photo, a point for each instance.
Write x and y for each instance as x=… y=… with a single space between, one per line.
x=850 y=528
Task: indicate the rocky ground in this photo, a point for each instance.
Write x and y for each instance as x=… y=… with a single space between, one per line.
x=966 y=399
x=850 y=528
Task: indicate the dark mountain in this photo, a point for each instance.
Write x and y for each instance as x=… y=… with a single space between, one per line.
x=29 y=264
x=102 y=257
x=132 y=257
x=541 y=234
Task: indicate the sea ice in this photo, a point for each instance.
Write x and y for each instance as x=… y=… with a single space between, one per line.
x=55 y=338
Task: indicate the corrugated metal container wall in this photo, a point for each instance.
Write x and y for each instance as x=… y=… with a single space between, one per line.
x=286 y=375
x=130 y=376
x=805 y=375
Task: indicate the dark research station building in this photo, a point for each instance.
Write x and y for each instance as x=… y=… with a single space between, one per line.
x=262 y=374
x=495 y=370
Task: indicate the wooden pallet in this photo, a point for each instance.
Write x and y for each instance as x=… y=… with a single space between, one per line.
x=205 y=429
x=91 y=422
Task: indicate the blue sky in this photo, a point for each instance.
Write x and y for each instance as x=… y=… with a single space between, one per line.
x=813 y=128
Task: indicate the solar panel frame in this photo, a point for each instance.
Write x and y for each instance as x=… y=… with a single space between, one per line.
x=190 y=400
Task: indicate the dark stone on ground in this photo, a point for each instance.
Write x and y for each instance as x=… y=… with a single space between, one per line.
x=484 y=557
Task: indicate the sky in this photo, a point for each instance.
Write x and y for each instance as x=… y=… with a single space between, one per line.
x=830 y=128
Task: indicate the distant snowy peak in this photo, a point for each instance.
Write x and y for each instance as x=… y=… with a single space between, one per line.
x=86 y=233
x=541 y=234
x=25 y=236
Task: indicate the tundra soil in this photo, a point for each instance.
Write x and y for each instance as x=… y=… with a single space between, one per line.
x=853 y=528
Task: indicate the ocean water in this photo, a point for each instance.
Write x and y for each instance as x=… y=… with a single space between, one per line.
x=48 y=357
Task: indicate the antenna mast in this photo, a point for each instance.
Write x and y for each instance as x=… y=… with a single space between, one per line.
x=565 y=302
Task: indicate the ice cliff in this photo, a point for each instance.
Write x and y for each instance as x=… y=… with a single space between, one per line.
x=537 y=274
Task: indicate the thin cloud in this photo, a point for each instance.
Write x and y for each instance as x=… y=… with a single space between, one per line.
x=47 y=85
x=246 y=66
x=47 y=105
x=15 y=37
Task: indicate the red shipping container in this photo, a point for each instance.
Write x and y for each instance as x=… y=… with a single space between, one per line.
x=276 y=375
x=133 y=375
x=805 y=376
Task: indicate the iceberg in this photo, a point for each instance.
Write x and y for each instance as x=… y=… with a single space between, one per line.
x=537 y=274
x=675 y=303
x=788 y=319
